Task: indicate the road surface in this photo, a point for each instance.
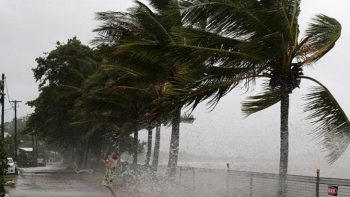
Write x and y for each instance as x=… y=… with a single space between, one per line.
x=51 y=181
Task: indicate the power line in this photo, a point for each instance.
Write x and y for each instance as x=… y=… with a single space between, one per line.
x=2 y=105
x=8 y=94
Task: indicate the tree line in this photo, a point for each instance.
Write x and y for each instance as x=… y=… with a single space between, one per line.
x=152 y=61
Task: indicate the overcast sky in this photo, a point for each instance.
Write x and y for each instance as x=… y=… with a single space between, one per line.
x=31 y=27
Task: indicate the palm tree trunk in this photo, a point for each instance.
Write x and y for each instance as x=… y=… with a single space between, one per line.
x=36 y=148
x=86 y=154
x=136 y=142
x=284 y=148
x=149 y=146
x=174 y=143
x=156 y=148
x=73 y=159
x=80 y=154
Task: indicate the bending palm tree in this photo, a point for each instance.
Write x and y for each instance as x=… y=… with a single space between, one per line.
x=130 y=35
x=246 y=40
x=114 y=98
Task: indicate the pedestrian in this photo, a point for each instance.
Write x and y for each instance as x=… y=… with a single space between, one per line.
x=111 y=171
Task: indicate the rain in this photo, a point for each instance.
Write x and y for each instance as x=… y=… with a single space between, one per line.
x=188 y=95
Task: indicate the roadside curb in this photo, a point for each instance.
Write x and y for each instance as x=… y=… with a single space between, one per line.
x=23 y=171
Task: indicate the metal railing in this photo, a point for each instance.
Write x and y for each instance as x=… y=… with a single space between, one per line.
x=231 y=183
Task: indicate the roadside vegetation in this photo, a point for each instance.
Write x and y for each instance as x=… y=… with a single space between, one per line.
x=151 y=62
x=3 y=169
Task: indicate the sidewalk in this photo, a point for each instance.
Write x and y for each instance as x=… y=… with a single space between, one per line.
x=56 y=181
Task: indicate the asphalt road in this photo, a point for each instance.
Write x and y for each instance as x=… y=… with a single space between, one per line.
x=53 y=182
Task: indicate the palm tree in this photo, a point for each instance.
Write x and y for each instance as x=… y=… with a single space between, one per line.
x=245 y=40
x=115 y=98
x=129 y=36
x=149 y=145
x=155 y=160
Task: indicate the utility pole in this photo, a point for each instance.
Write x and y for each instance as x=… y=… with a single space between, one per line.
x=2 y=152
x=2 y=94
x=36 y=148
x=15 y=102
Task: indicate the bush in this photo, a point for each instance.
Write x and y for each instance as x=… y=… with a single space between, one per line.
x=3 y=169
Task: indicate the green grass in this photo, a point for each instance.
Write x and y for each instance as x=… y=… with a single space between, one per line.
x=10 y=177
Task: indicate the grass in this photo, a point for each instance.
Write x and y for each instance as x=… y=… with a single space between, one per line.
x=10 y=177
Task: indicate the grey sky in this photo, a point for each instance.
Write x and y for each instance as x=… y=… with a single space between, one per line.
x=31 y=27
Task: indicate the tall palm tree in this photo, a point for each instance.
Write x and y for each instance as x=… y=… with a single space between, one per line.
x=156 y=148
x=149 y=145
x=241 y=41
x=115 y=98
x=130 y=36
x=160 y=90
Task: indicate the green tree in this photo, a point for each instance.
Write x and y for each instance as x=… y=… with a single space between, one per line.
x=245 y=40
x=59 y=74
x=10 y=130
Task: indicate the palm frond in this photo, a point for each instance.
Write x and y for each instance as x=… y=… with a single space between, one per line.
x=233 y=17
x=261 y=101
x=199 y=37
x=245 y=18
x=151 y=23
x=117 y=25
x=160 y=5
x=210 y=87
x=120 y=71
x=185 y=54
x=321 y=37
x=332 y=124
x=290 y=11
x=187 y=118
x=255 y=49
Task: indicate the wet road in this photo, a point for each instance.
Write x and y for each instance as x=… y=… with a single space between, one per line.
x=48 y=182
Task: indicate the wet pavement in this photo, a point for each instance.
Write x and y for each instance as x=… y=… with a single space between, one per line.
x=54 y=181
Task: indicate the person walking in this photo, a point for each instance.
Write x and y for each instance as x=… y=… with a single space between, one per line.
x=111 y=171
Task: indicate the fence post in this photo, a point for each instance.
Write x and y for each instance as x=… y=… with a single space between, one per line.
x=193 y=177
x=318 y=183
x=228 y=180
x=251 y=185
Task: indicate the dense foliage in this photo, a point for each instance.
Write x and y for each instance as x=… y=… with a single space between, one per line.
x=3 y=169
x=61 y=74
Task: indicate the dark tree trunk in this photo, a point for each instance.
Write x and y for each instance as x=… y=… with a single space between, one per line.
x=86 y=154
x=156 y=148
x=284 y=148
x=149 y=147
x=98 y=157
x=33 y=146
x=36 y=148
x=73 y=154
x=80 y=155
x=136 y=142
x=174 y=143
